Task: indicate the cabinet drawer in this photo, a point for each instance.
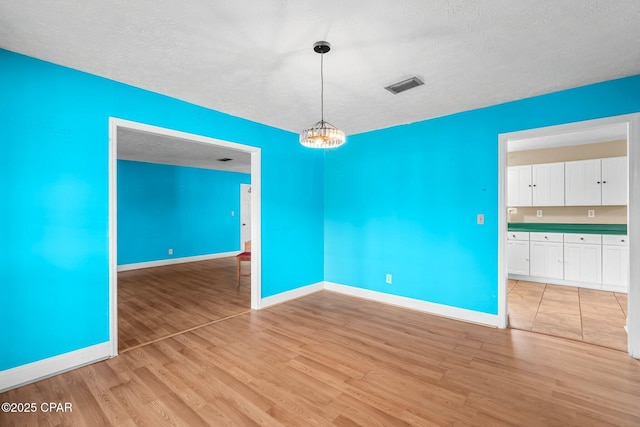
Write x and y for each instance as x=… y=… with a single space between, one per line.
x=610 y=239
x=595 y=239
x=518 y=235
x=546 y=237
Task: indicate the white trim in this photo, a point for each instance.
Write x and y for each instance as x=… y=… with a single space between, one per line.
x=633 y=230
x=292 y=294
x=415 y=304
x=256 y=218
x=633 y=210
x=171 y=261
x=503 y=315
x=256 y=229
x=32 y=372
x=113 y=236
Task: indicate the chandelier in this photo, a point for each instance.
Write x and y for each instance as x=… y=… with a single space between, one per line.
x=322 y=134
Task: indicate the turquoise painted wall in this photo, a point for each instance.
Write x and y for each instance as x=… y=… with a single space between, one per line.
x=182 y=208
x=404 y=200
x=55 y=130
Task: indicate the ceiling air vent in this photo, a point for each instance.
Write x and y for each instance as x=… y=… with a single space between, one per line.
x=396 y=88
x=224 y=159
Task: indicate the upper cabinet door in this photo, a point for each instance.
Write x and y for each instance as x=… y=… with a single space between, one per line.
x=583 y=183
x=548 y=184
x=614 y=181
x=519 y=186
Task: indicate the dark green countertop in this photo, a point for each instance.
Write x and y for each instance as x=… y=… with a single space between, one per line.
x=620 y=229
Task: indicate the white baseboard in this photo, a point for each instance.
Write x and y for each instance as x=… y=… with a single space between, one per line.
x=55 y=365
x=170 y=261
x=292 y=294
x=414 y=304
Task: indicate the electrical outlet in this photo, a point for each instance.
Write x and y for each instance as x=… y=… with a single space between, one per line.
x=389 y=279
x=170 y=251
x=591 y=213
x=539 y=213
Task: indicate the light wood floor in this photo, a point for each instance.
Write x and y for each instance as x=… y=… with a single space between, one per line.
x=593 y=316
x=157 y=302
x=328 y=359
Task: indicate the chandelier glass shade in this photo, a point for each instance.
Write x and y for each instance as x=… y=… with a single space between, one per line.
x=322 y=134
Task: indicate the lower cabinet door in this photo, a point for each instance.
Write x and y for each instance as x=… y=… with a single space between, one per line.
x=518 y=257
x=547 y=260
x=582 y=263
x=615 y=261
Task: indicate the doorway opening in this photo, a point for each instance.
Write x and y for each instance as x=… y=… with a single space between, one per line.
x=550 y=218
x=158 y=147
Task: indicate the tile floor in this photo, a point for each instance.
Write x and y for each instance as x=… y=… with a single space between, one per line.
x=596 y=317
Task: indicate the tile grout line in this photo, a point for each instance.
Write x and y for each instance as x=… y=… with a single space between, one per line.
x=580 y=309
x=539 y=304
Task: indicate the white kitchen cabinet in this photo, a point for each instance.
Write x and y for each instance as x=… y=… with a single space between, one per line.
x=614 y=181
x=546 y=255
x=548 y=184
x=583 y=183
x=615 y=262
x=583 y=258
x=596 y=182
x=519 y=186
x=518 y=252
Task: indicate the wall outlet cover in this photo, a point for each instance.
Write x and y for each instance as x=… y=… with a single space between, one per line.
x=539 y=213
x=591 y=213
x=389 y=279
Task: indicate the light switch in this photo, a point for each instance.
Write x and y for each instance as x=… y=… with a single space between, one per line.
x=480 y=219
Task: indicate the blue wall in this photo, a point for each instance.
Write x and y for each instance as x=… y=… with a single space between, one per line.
x=55 y=271
x=404 y=200
x=185 y=209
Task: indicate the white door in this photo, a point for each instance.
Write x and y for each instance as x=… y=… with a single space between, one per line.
x=614 y=181
x=547 y=260
x=583 y=183
x=245 y=214
x=548 y=184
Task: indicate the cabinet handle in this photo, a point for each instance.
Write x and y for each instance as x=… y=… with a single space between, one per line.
x=598 y=182
x=529 y=185
x=622 y=240
x=582 y=238
x=604 y=182
x=545 y=237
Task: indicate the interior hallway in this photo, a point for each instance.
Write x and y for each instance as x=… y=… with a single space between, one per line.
x=155 y=303
x=593 y=316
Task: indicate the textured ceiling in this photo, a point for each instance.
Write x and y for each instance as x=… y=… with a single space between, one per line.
x=154 y=148
x=253 y=59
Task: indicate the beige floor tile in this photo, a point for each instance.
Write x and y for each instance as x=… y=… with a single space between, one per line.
x=556 y=330
x=582 y=314
x=570 y=321
x=613 y=319
x=617 y=342
x=623 y=301
x=519 y=323
x=603 y=328
x=558 y=307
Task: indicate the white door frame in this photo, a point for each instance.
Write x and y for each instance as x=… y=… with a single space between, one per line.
x=242 y=192
x=256 y=268
x=632 y=121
